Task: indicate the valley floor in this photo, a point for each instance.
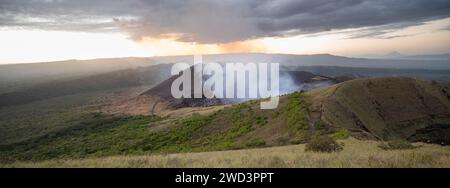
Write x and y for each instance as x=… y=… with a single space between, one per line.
x=356 y=153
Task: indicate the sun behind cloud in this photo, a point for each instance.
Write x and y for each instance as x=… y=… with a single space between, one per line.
x=20 y=46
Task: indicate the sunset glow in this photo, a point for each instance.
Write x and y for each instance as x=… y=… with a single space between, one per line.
x=49 y=38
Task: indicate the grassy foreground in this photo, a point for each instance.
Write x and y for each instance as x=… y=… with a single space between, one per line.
x=356 y=153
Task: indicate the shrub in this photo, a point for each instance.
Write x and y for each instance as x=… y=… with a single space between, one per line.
x=283 y=140
x=396 y=144
x=323 y=144
x=320 y=125
x=341 y=134
x=299 y=138
x=261 y=120
x=255 y=143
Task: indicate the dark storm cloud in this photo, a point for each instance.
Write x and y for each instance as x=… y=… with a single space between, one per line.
x=222 y=20
x=382 y=31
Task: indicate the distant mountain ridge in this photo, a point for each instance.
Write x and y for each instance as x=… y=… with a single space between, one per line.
x=399 y=56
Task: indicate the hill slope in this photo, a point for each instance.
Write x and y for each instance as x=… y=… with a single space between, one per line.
x=149 y=76
x=376 y=108
x=387 y=108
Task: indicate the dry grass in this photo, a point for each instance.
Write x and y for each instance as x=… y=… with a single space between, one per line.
x=356 y=153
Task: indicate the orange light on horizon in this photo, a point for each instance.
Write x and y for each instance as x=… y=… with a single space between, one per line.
x=18 y=46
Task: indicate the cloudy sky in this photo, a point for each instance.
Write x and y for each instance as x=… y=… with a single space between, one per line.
x=46 y=30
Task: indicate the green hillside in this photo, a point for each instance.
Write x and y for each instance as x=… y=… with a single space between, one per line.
x=377 y=109
x=240 y=126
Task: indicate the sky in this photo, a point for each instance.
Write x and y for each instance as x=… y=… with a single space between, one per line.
x=50 y=30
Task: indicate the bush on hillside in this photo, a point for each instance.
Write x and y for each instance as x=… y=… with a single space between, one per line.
x=255 y=143
x=323 y=144
x=341 y=134
x=320 y=125
x=396 y=145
